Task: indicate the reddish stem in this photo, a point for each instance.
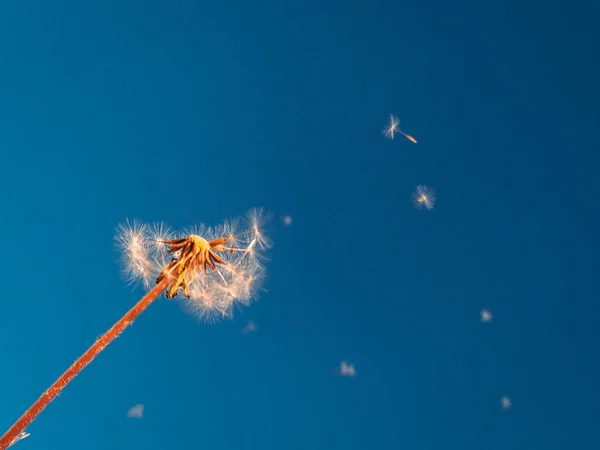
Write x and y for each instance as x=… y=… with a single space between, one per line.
x=62 y=381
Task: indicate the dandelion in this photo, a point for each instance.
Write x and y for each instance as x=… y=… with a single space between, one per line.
x=394 y=127
x=213 y=268
x=424 y=197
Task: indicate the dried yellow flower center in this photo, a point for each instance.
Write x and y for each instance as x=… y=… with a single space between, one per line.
x=199 y=241
x=195 y=253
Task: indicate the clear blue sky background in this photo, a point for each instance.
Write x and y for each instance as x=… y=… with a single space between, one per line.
x=190 y=112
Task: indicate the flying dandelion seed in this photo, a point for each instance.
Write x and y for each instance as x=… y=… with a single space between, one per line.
x=346 y=369
x=394 y=128
x=251 y=326
x=486 y=316
x=214 y=269
x=136 y=412
x=424 y=197
x=287 y=220
x=505 y=402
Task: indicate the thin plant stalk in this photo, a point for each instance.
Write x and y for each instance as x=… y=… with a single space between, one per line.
x=62 y=381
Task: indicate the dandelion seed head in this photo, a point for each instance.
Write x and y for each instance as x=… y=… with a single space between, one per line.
x=424 y=197
x=215 y=268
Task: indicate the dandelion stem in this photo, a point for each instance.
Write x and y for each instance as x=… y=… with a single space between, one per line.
x=62 y=381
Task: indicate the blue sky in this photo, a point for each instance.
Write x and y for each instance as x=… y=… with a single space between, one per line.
x=189 y=112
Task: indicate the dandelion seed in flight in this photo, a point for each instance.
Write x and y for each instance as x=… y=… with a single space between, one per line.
x=486 y=316
x=424 y=197
x=251 y=326
x=287 y=220
x=136 y=412
x=346 y=369
x=505 y=402
x=394 y=128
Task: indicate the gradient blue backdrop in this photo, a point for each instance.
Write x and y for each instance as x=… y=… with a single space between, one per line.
x=189 y=111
